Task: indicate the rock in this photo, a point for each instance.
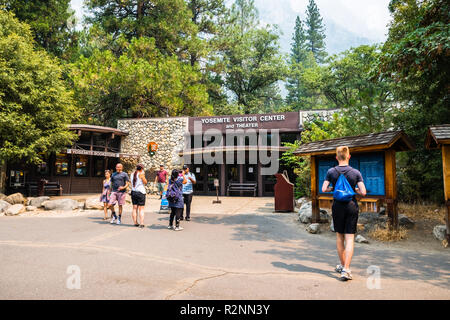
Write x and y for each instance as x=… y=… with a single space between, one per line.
x=2 y=196
x=324 y=217
x=4 y=206
x=439 y=232
x=301 y=201
x=305 y=213
x=37 y=202
x=313 y=228
x=61 y=204
x=30 y=208
x=15 y=209
x=382 y=211
x=406 y=222
x=360 y=239
x=16 y=198
x=93 y=203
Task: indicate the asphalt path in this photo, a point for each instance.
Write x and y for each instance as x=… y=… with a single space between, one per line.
x=237 y=250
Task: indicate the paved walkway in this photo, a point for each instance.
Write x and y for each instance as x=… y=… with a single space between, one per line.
x=239 y=249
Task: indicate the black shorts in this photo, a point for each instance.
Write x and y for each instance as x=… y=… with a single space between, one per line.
x=137 y=198
x=345 y=216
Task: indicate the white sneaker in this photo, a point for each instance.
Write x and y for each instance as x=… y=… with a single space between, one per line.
x=170 y=227
x=118 y=221
x=346 y=275
x=339 y=268
x=113 y=220
x=179 y=228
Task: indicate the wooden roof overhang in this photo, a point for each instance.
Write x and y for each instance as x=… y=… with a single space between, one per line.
x=99 y=129
x=438 y=136
x=396 y=140
x=231 y=149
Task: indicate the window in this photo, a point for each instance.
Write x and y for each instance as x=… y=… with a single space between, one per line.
x=99 y=141
x=114 y=144
x=81 y=166
x=62 y=164
x=43 y=168
x=265 y=139
x=84 y=141
x=99 y=167
x=288 y=137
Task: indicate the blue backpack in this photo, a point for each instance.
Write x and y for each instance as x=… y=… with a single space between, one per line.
x=342 y=190
x=173 y=193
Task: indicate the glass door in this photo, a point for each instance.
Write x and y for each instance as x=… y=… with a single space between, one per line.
x=213 y=173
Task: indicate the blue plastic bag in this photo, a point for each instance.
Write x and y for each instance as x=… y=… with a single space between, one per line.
x=343 y=191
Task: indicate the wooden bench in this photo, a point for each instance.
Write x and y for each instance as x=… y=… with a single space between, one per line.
x=246 y=187
x=53 y=187
x=365 y=204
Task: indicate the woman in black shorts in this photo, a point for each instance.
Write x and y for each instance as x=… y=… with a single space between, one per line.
x=138 y=194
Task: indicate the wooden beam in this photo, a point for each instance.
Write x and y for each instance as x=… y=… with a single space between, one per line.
x=314 y=191
x=390 y=175
x=446 y=173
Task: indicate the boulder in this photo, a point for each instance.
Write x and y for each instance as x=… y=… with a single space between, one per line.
x=61 y=204
x=439 y=232
x=16 y=198
x=37 y=202
x=93 y=203
x=360 y=239
x=301 y=202
x=15 y=209
x=305 y=213
x=4 y=206
x=2 y=196
x=313 y=228
x=30 y=208
x=406 y=222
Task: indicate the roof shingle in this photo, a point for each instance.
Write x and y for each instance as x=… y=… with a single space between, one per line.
x=381 y=139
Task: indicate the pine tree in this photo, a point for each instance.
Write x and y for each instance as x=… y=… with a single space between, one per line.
x=299 y=47
x=315 y=32
x=298 y=55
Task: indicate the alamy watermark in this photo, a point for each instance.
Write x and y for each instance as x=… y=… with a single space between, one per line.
x=74 y=279
x=235 y=146
x=374 y=279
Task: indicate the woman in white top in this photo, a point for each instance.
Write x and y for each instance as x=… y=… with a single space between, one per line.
x=138 y=194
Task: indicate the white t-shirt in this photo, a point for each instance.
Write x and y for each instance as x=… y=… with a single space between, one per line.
x=139 y=184
x=188 y=187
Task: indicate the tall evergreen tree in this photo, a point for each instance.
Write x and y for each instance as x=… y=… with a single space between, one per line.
x=298 y=55
x=315 y=32
x=299 y=45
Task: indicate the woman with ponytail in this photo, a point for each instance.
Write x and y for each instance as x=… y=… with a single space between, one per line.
x=138 y=194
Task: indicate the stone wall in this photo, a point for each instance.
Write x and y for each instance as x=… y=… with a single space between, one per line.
x=168 y=133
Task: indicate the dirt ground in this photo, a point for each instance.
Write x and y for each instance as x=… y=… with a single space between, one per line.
x=420 y=237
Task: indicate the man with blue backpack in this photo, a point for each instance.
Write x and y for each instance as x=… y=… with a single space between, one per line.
x=347 y=181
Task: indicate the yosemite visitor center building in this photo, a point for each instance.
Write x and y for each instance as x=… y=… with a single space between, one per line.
x=239 y=149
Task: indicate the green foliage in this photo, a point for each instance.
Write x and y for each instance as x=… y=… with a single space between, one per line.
x=305 y=85
x=167 y=21
x=142 y=82
x=51 y=21
x=316 y=129
x=415 y=56
x=315 y=32
x=253 y=63
x=35 y=106
x=350 y=82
